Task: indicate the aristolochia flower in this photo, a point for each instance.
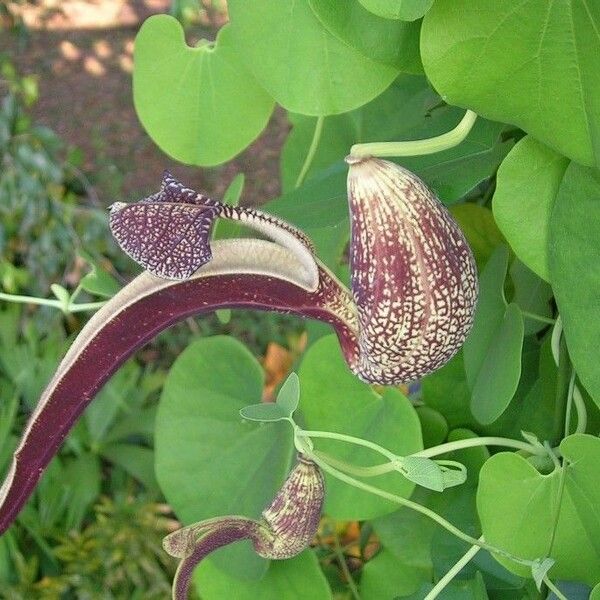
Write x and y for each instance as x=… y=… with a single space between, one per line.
x=414 y=290
x=286 y=528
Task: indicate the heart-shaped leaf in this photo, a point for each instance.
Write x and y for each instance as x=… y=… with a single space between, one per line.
x=575 y=269
x=209 y=462
x=200 y=105
x=335 y=400
x=511 y=491
x=532 y=64
x=303 y=66
x=526 y=188
x=492 y=352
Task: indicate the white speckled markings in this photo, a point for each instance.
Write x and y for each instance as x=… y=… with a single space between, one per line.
x=414 y=278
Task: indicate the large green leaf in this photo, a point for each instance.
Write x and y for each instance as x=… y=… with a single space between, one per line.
x=386 y=577
x=480 y=229
x=395 y=43
x=407 y=10
x=333 y=399
x=527 y=184
x=575 y=269
x=492 y=352
x=209 y=462
x=299 y=578
x=200 y=105
x=303 y=66
x=531 y=63
x=518 y=506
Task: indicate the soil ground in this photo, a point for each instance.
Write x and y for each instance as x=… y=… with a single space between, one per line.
x=82 y=53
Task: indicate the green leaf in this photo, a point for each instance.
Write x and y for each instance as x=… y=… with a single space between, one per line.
x=424 y=472
x=200 y=105
x=446 y=391
x=299 y=578
x=407 y=10
x=526 y=188
x=532 y=64
x=387 y=576
x=511 y=492
x=480 y=229
x=289 y=394
x=394 y=43
x=209 y=462
x=303 y=66
x=575 y=269
x=532 y=294
x=492 y=352
x=266 y=412
x=595 y=595
x=98 y=281
x=333 y=399
x=434 y=426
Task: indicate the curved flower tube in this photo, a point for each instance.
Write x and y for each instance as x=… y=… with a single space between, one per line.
x=414 y=290
x=287 y=526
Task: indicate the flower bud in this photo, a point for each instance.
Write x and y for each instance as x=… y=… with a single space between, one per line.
x=414 y=279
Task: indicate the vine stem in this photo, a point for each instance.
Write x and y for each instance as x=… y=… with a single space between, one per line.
x=71 y=308
x=453 y=572
x=480 y=441
x=418 y=147
x=574 y=393
x=312 y=150
x=554 y=589
x=539 y=318
x=409 y=504
x=394 y=459
x=344 y=566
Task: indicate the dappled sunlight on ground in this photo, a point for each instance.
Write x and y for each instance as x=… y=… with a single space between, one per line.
x=82 y=53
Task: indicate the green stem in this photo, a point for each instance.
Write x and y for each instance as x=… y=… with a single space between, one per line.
x=30 y=300
x=539 y=318
x=72 y=308
x=453 y=572
x=357 y=471
x=480 y=441
x=581 y=410
x=348 y=439
x=554 y=589
x=418 y=147
x=569 y=407
x=312 y=150
x=75 y=293
x=414 y=506
x=344 y=566
x=75 y=308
